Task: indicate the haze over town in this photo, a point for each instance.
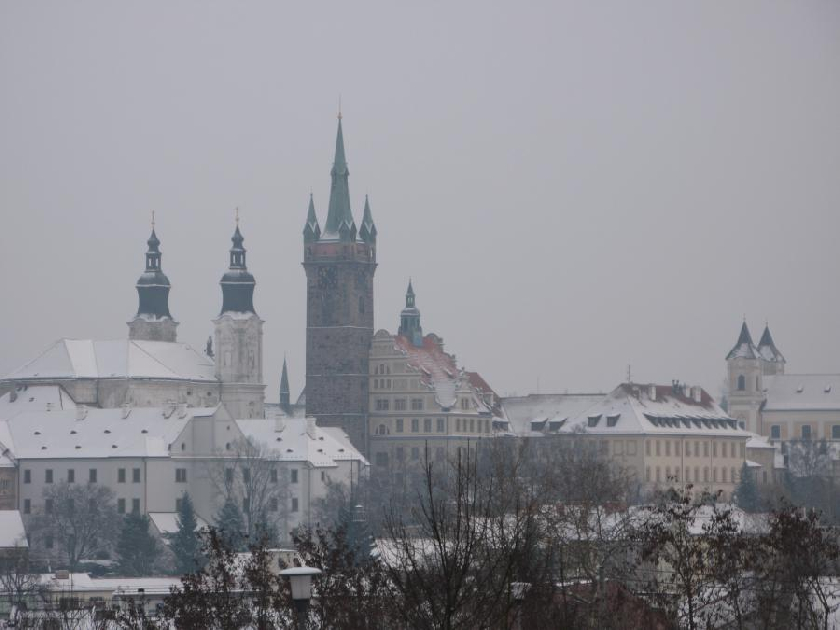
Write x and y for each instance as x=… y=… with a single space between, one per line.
x=573 y=188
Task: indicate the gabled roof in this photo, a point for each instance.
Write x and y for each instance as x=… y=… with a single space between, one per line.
x=119 y=358
x=293 y=442
x=744 y=347
x=437 y=368
x=800 y=392
x=524 y=412
x=12 y=532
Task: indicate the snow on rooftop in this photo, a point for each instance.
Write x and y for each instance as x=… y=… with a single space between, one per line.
x=438 y=367
x=122 y=358
x=34 y=398
x=294 y=443
x=801 y=392
x=12 y=532
x=167 y=522
x=523 y=412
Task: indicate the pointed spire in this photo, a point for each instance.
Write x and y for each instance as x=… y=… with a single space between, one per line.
x=767 y=349
x=744 y=347
x=368 y=230
x=410 y=318
x=153 y=321
x=409 y=295
x=311 y=231
x=339 y=216
x=285 y=394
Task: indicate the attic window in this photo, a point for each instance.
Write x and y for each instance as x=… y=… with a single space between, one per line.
x=279 y=439
x=72 y=432
x=341 y=450
x=43 y=448
x=107 y=430
x=799 y=389
x=288 y=450
x=321 y=438
x=37 y=433
x=144 y=431
x=593 y=420
x=612 y=419
x=32 y=399
x=113 y=446
x=320 y=450
x=78 y=447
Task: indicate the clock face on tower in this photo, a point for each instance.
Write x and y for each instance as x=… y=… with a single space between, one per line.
x=327 y=278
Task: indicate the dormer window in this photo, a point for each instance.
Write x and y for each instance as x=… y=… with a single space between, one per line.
x=593 y=420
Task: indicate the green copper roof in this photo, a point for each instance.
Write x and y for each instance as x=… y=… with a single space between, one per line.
x=339 y=212
x=284 y=379
x=368 y=230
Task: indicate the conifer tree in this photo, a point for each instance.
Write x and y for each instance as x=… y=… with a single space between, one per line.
x=185 y=544
x=136 y=548
x=746 y=494
x=231 y=526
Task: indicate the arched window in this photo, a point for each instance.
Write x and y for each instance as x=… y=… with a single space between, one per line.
x=742 y=383
x=381 y=430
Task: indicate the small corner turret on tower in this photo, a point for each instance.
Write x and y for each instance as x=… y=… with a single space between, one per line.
x=153 y=322
x=368 y=230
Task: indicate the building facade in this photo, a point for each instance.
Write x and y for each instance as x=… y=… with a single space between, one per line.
x=340 y=263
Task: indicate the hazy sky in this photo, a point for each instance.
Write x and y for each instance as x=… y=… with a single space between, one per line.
x=572 y=186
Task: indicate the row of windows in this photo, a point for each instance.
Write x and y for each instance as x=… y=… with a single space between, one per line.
x=805 y=432
x=693 y=449
x=246 y=475
x=93 y=475
x=415 y=453
x=384 y=404
x=462 y=425
x=728 y=475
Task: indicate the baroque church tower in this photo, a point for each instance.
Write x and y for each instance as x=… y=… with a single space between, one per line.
x=153 y=321
x=748 y=366
x=239 y=339
x=340 y=262
x=410 y=319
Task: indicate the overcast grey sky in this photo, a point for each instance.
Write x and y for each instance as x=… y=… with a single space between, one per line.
x=573 y=186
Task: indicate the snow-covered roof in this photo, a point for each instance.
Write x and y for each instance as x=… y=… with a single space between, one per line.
x=759 y=441
x=543 y=410
x=436 y=367
x=120 y=358
x=801 y=392
x=299 y=439
x=12 y=532
x=34 y=398
x=123 y=432
x=82 y=582
x=167 y=522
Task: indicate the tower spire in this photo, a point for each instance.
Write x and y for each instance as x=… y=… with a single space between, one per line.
x=311 y=231
x=744 y=347
x=368 y=230
x=153 y=321
x=410 y=318
x=285 y=394
x=237 y=282
x=340 y=222
x=767 y=349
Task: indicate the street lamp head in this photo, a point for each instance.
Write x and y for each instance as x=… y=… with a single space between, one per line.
x=300 y=579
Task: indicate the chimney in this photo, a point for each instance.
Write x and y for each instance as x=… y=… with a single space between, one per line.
x=652 y=392
x=126 y=409
x=168 y=409
x=182 y=410
x=279 y=423
x=49 y=406
x=697 y=394
x=310 y=428
x=81 y=412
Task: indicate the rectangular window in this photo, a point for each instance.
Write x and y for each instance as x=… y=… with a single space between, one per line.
x=399 y=404
x=246 y=505
x=273 y=504
x=48 y=506
x=732 y=450
x=458 y=425
x=71 y=475
x=667 y=448
x=618 y=447
x=92 y=475
x=416 y=404
x=294 y=475
x=465 y=403
x=121 y=475
x=427 y=425
x=294 y=504
x=383 y=404
x=775 y=432
x=631 y=447
x=228 y=475
x=382 y=459
x=273 y=475
x=415 y=425
x=246 y=475
x=657 y=451
x=180 y=475
x=400 y=424
x=647 y=448
x=440 y=454
x=714 y=449
x=687 y=452
x=135 y=475
x=27 y=506
x=27 y=476
x=120 y=506
x=48 y=475
x=835 y=432
x=441 y=425
x=677 y=448
x=400 y=454
x=135 y=506
x=48 y=542
x=472 y=425
x=806 y=432
x=705 y=452
x=415 y=453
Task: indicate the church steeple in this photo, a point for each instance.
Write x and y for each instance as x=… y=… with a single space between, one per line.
x=237 y=283
x=410 y=319
x=285 y=394
x=744 y=347
x=340 y=223
x=368 y=230
x=153 y=321
x=770 y=353
x=311 y=231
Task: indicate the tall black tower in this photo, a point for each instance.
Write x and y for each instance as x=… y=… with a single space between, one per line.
x=340 y=263
x=153 y=321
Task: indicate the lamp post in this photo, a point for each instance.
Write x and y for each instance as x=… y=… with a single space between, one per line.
x=300 y=579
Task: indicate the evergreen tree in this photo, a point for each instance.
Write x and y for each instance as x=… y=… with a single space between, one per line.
x=746 y=494
x=185 y=544
x=136 y=547
x=231 y=526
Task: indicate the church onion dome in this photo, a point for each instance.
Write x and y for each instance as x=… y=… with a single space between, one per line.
x=311 y=231
x=767 y=349
x=237 y=283
x=368 y=230
x=744 y=347
x=153 y=285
